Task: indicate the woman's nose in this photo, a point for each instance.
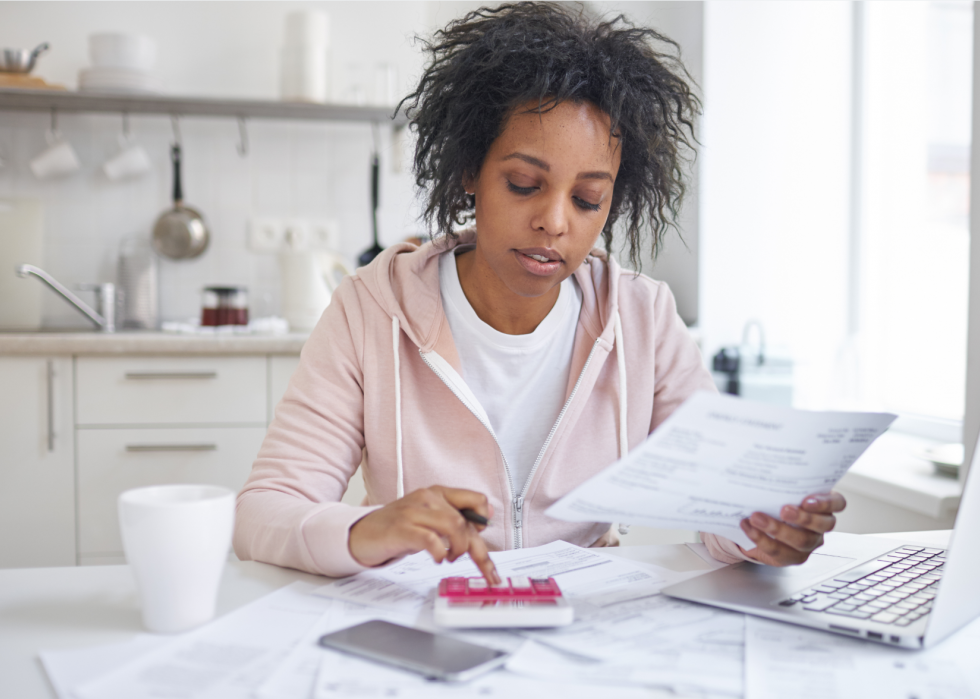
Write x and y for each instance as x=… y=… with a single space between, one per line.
x=551 y=215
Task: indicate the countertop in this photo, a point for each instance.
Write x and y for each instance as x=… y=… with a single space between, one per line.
x=155 y=343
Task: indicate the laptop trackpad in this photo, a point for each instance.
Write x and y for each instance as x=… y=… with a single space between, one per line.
x=751 y=584
x=819 y=566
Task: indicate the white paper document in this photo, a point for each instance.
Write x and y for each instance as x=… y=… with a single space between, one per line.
x=295 y=676
x=343 y=676
x=650 y=639
x=226 y=659
x=69 y=668
x=717 y=460
x=783 y=660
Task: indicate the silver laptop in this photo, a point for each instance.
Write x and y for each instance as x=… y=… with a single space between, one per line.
x=879 y=589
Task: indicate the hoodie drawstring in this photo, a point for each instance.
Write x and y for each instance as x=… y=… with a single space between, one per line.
x=621 y=364
x=400 y=484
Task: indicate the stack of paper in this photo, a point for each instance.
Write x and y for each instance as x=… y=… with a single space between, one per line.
x=626 y=639
x=626 y=635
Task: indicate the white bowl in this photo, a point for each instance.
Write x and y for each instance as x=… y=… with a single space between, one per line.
x=119 y=50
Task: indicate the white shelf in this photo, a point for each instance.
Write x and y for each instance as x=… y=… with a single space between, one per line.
x=90 y=102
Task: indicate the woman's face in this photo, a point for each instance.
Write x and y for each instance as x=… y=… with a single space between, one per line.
x=542 y=198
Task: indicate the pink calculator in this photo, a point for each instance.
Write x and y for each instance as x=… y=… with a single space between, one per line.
x=515 y=603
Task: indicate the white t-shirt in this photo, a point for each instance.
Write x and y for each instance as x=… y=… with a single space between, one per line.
x=520 y=380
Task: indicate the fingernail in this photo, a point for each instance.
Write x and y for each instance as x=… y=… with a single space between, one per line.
x=812 y=501
x=789 y=513
x=745 y=525
x=759 y=520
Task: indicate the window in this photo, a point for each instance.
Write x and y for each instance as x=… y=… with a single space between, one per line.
x=912 y=144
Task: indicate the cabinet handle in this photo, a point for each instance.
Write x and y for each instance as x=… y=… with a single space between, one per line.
x=139 y=375
x=50 y=387
x=171 y=447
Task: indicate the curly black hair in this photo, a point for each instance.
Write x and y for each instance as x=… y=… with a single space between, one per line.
x=493 y=60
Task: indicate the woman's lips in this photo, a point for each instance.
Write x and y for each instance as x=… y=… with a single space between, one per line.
x=536 y=266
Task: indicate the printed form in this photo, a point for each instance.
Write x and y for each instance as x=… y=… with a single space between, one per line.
x=791 y=661
x=717 y=460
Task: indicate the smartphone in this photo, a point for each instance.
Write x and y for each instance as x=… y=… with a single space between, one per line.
x=435 y=656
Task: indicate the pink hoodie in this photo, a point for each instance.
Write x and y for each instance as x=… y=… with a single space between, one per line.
x=379 y=385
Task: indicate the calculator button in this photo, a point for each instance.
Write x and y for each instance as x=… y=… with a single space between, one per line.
x=522 y=583
x=478 y=584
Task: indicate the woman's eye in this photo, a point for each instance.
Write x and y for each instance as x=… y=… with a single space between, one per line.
x=524 y=191
x=587 y=205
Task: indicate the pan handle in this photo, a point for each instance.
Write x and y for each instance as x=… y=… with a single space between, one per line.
x=175 y=157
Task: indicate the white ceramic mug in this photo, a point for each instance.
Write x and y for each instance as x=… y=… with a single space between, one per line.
x=59 y=158
x=132 y=160
x=176 y=539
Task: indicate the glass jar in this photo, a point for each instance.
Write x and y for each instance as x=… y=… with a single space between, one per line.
x=224 y=305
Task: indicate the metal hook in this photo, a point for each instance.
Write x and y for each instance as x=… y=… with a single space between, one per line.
x=54 y=120
x=175 y=123
x=242 y=137
x=125 y=120
x=375 y=137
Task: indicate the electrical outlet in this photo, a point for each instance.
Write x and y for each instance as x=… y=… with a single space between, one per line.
x=274 y=234
x=324 y=234
x=265 y=234
x=295 y=234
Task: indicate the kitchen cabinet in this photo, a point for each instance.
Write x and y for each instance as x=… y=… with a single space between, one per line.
x=37 y=469
x=112 y=460
x=155 y=420
x=171 y=390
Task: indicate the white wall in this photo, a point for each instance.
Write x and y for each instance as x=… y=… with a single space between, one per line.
x=677 y=261
x=775 y=180
x=215 y=49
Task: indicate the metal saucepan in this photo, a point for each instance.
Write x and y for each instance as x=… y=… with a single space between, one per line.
x=20 y=60
x=179 y=233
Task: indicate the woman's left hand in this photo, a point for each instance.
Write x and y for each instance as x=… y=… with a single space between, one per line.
x=791 y=540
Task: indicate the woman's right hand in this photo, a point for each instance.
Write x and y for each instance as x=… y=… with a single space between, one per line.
x=429 y=520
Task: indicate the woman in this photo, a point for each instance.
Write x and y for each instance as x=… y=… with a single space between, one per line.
x=489 y=370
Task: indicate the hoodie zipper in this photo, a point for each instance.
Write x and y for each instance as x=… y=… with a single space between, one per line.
x=517 y=500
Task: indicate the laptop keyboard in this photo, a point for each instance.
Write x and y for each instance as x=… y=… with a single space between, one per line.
x=896 y=589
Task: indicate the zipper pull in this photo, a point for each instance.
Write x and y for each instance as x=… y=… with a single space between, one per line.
x=518 y=511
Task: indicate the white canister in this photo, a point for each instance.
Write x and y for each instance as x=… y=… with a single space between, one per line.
x=304 y=74
x=304 y=69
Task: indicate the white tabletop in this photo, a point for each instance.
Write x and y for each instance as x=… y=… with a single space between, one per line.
x=78 y=607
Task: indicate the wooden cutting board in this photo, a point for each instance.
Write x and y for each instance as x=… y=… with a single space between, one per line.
x=27 y=82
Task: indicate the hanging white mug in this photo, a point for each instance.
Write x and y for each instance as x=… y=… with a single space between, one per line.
x=131 y=161
x=58 y=159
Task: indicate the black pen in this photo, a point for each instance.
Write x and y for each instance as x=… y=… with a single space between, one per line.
x=474 y=516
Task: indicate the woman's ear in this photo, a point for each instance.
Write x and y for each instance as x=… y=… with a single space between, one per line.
x=469 y=184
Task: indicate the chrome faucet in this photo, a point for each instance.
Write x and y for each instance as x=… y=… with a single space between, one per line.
x=105 y=319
